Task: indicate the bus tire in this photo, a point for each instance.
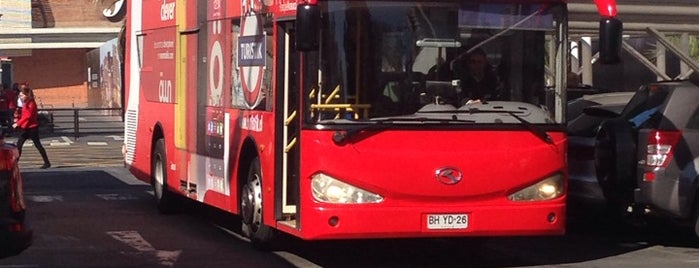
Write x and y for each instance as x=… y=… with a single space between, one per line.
x=260 y=235
x=615 y=161
x=164 y=198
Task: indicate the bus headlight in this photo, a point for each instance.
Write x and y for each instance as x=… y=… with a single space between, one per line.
x=546 y=189
x=330 y=190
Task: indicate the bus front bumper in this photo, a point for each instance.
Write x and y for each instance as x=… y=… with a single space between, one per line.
x=363 y=222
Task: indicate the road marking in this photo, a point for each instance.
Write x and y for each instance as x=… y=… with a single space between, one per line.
x=234 y=234
x=96 y=143
x=44 y=198
x=66 y=139
x=117 y=197
x=136 y=241
x=116 y=138
x=59 y=143
x=294 y=259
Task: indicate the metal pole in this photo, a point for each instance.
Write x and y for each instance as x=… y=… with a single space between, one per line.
x=660 y=60
x=642 y=59
x=684 y=45
x=76 y=126
x=586 y=60
x=669 y=45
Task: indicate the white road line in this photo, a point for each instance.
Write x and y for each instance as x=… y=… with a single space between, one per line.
x=59 y=144
x=132 y=239
x=116 y=138
x=96 y=143
x=66 y=139
x=294 y=259
x=234 y=234
x=136 y=241
x=116 y=197
x=44 y=198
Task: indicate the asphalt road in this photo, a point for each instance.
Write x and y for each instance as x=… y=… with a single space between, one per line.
x=86 y=217
x=88 y=211
x=104 y=217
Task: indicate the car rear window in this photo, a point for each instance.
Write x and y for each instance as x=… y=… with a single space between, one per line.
x=646 y=98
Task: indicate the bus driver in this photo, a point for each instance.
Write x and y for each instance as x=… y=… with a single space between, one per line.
x=478 y=80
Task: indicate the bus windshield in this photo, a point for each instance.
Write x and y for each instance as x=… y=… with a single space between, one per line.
x=422 y=59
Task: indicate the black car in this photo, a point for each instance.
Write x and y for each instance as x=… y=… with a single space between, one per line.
x=647 y=157
x=15 y=236
x=582 y=129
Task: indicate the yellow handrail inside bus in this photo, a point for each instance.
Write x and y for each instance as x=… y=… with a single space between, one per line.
x=333 y=95
x=357 y=110
x=290 y=118
x=291 y=144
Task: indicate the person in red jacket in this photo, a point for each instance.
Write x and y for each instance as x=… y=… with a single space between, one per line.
x=29 y=124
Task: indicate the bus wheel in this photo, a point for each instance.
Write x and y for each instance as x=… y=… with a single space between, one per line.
x=251 y=208
x=165 y=200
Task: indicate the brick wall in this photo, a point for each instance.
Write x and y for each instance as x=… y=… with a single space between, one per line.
x=69 y=13
x=58 y=76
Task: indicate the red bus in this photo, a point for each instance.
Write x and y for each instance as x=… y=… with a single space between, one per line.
x=353 y=119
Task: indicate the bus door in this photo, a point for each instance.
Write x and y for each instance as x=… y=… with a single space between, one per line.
x=288 y=124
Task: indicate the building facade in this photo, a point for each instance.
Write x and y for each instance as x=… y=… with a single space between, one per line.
x=46 y=43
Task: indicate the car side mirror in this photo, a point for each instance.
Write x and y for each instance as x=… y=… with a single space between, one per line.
x=307 y=27
x=610 y=42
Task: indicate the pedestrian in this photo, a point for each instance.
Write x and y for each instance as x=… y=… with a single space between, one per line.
x=18 y=106
x=28 y=124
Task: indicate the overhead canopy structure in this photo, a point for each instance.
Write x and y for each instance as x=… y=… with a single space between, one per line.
x=48 y=38
x=668 y=23
x=31 y=24
x=667 y=16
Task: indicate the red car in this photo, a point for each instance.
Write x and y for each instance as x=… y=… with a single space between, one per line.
x=15 y=237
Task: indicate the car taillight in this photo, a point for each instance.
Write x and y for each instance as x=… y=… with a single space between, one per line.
x=9 y=168
x=17 y=191
x=659 y=150
x=15 y=227
x=6 y=162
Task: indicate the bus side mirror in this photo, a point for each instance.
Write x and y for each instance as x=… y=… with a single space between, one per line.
x=307 y=27
x=610 y=30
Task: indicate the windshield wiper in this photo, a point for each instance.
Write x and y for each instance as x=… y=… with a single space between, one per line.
x=343 y=136
x=538 y=132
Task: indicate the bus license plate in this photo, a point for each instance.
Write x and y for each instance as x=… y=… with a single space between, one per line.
x=447 y=221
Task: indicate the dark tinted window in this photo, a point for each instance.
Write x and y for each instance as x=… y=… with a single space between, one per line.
x=647 y=97
x=694 y=121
